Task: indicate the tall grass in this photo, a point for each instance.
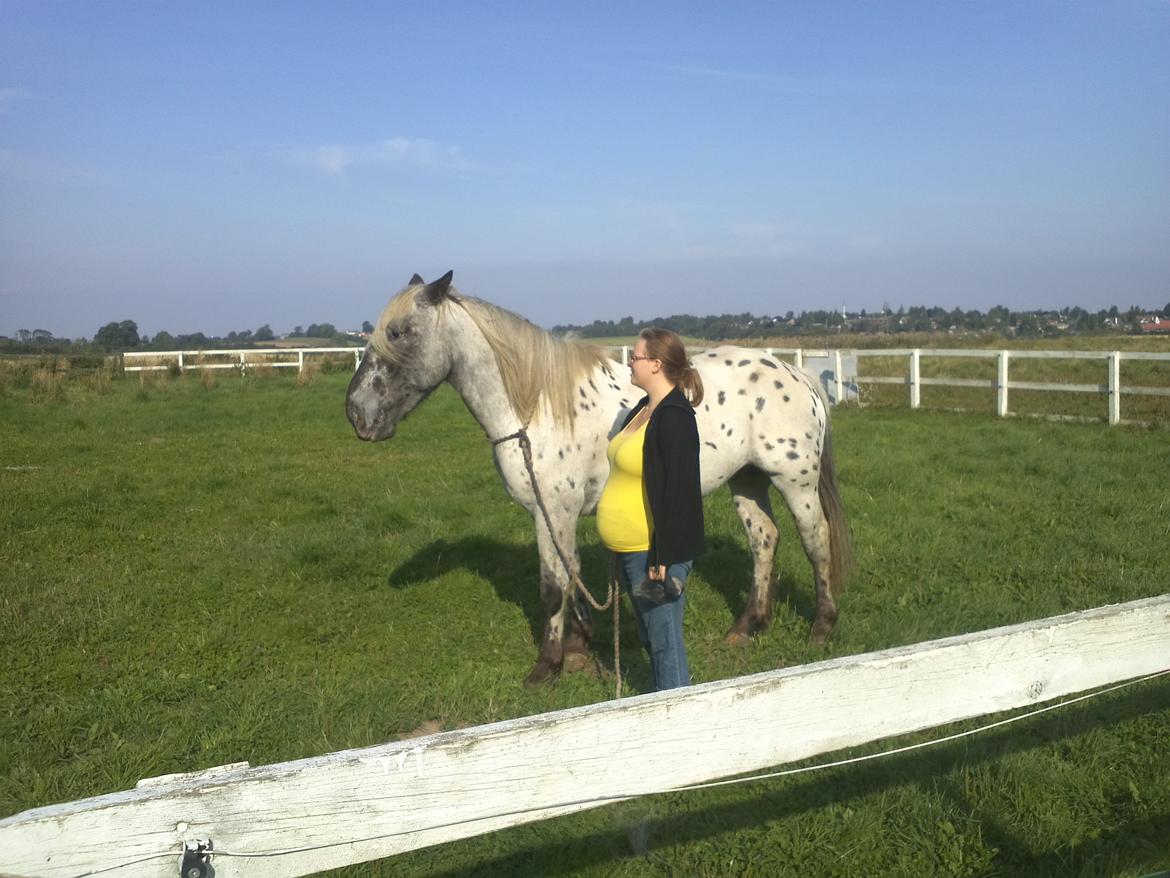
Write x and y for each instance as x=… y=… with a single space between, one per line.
x=191 y=576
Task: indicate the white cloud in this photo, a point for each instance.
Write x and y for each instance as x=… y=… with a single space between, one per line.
x=337 y=159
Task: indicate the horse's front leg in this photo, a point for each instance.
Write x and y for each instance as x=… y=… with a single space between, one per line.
x=567 y=622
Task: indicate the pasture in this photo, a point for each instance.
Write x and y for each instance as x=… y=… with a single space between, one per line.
x=196 y=572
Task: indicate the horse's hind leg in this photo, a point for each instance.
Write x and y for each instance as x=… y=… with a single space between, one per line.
x=813 y=527
x=749 y=491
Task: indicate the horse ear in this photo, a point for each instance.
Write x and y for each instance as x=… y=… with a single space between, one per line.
x=415 y=280
x=437 y=290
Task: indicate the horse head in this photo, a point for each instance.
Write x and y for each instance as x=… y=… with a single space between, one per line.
x=403 y=361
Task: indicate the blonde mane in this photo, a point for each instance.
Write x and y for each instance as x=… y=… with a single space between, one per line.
x=534 y=364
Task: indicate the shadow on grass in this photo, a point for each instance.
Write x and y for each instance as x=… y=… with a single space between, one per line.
x=1132 y=846
x=514 y=574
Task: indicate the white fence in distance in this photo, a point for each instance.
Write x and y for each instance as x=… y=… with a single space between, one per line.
x=301 y=817
x=839 y=370
x=240 y=360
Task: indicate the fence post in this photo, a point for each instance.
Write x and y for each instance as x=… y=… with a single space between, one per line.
x=915 y=378
x=837 y=375
x=300 y=362
x=181 y=361
x=798 y=358
x=357 y=358
x=1001 y=404
x=625 y=355
x=1115 y=387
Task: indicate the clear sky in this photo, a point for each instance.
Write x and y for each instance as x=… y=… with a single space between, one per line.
x=206 y=166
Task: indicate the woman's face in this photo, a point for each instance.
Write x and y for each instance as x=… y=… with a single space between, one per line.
x=641 y=368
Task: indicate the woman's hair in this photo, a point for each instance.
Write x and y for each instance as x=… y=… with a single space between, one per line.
x=668 y=348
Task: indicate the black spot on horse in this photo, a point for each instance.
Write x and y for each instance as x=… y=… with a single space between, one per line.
x=769 y=445
x=581 y=390
x=792 y=455
x=742 y=392
x=769 y=363
x=743 y=362
x=729 y=432
x=561 y=454
x=777 y=384
x=591 y=384
x=712 y=444
x=727 y=362
x=755 y=376
x=787 y=398
x=759 y=403
x=722 y=397
x=712 y=355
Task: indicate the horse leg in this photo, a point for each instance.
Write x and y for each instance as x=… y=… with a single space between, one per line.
x=813 y=527
x=749 y=491
x=567 y=624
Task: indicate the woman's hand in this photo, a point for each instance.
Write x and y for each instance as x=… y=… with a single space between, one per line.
x=658 y=574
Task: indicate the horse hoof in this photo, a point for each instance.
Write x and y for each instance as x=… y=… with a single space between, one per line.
x=576 y=661
x=542 y=674
x=737 y=639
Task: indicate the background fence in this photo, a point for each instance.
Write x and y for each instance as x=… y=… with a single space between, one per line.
x=840 y=370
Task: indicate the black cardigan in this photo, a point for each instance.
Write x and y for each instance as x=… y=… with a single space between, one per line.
x=670 y=472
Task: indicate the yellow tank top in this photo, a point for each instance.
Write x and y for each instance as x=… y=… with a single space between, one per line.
x=623 y=515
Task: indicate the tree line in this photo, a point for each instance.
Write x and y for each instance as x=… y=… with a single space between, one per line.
x=123 y=335
x=999 y=319
x=118 y=336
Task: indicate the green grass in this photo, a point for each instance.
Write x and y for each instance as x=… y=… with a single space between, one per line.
x=192 y=575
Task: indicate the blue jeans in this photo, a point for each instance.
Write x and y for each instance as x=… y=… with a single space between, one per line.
x=660 y=625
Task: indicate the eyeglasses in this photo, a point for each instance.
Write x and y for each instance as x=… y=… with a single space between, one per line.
x=634 y=358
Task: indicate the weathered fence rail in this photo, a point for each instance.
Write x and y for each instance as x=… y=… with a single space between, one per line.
x=301 y=817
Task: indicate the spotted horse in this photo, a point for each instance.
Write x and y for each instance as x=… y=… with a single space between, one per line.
x=762 y=422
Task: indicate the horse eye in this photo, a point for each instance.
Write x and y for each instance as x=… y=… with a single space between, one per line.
x=393 y=334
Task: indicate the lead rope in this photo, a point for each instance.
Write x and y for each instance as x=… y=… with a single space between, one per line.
x=521 y=436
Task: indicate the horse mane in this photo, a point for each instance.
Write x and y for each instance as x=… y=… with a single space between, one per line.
x=533 y=363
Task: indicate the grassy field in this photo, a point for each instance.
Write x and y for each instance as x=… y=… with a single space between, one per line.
x=202 y=570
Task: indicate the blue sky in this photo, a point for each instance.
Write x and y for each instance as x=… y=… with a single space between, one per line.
x=214 y=167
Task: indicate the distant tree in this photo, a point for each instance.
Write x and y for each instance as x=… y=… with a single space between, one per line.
x=321 y=330
x=264 y=333
x=298 y=330
x=163 y=341
x=118 y=336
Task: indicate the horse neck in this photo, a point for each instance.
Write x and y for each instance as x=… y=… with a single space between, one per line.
x=475 y=375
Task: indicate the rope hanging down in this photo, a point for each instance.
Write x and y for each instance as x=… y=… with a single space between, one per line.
x=612 y=597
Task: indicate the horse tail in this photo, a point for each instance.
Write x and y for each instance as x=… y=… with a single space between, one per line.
x=840 y=545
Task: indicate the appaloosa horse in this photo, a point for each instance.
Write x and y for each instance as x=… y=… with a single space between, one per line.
x=763 y=422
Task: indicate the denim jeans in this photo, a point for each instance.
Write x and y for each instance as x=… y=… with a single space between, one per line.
x=660 y=625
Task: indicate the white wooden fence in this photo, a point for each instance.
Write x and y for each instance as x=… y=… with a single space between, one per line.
x=241 y=360
x=1002 y=384
x=297 y=818
x=833 y=365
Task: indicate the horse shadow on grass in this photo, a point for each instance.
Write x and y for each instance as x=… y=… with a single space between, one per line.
x=653 y=837
x=513 y=572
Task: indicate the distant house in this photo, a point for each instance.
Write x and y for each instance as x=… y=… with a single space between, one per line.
x=1155 y=324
